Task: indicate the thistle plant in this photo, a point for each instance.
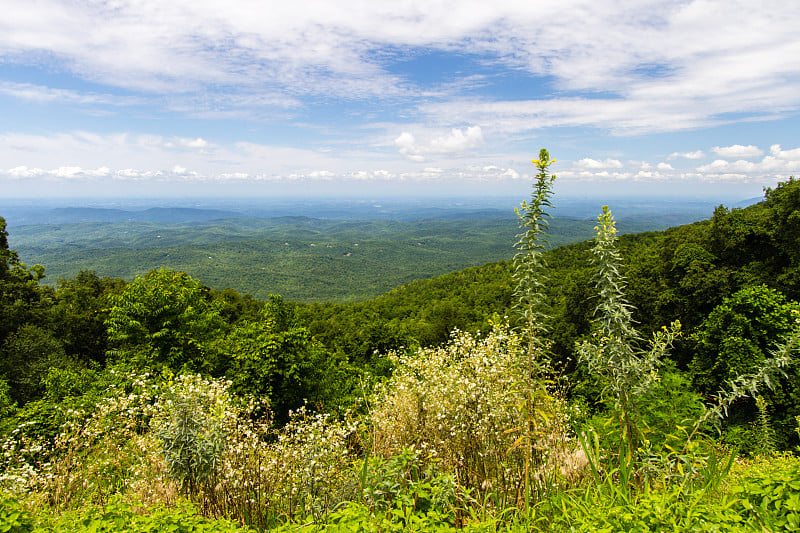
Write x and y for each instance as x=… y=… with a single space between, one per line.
x=614 y=354
x=530 y=268
x=530 y=278
x=191 y=425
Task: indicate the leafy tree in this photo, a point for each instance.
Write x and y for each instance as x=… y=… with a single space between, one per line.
x=165 y=319
x=22 y=300
x=27 y=347
x=79 y=314
x=235 y=307
x=784 y=204
x=28 y=353
x=735 y=339
x=275 y=357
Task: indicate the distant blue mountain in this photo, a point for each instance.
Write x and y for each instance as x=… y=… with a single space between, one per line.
x=165 y=215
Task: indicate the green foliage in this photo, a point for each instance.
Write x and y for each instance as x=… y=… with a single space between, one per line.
x=309 y=260
x=191 y=427
x=471 y=434
x=356 y=518
x=79 y=313
x=467 y=406
x=26 y=346
x=651 y=510
x=784 y=204
x=737 y=338
x=14 y=518
x=276 y=358
x=119 y=516
x=28 y=354
x=667 y=411
x=769 y=494
x=165 y=319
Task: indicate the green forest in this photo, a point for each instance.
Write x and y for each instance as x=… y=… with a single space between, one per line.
x=301 y=258
x=638 y=382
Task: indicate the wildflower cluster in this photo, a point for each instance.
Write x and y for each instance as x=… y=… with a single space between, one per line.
x=96 y=452
x=463 y=407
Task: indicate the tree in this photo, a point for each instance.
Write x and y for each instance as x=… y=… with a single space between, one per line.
x=26 y=345
x=735 y=339
x=80 y=312
x=27 y=355
x=165 y=319
x=275 y=357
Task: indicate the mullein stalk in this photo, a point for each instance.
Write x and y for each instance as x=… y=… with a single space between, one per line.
x=530 y=277
x=614 y=356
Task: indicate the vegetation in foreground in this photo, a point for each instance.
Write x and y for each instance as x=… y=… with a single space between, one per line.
x=159 y=405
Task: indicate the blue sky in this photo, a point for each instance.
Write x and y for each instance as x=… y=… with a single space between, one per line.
x=695 y=98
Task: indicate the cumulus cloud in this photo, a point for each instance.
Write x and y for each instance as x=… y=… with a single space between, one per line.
x=25 y=172
x=737 y=151
x=780 y=163
x=456 y=142
x=589 y=163
x=193 y=143
x=697 y=154
x=776 y=166
x=321 y=174
x=776 y=152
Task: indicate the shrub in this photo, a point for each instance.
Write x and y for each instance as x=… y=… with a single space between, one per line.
x=462 y=408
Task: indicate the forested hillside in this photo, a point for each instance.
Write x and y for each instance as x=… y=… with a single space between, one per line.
x=299 y=257
x=664 y=354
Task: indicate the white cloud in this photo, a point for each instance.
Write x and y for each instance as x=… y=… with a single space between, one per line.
x=123 y=157
x=193 y=143
x=776 y=152
x=737 y=151
x=68 y=172
x=456 y=142
x=698 y=154
x=780 y=163
x=43 y=94
x=321 y=174
x=234 y=176
x=589 y=163
x=668 y=65
x=25 y=172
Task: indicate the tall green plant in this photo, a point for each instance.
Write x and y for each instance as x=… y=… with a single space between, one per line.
x=530 y=268
x=192 y=424
x=530 y=278
x=614 y=354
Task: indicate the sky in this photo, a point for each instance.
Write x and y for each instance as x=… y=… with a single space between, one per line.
x=258 y=98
